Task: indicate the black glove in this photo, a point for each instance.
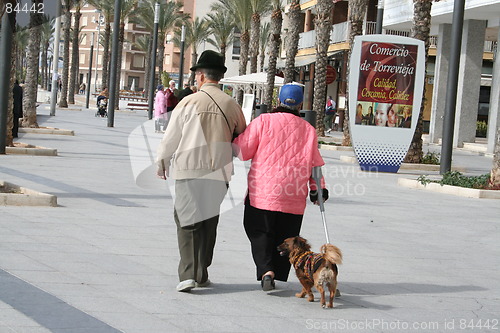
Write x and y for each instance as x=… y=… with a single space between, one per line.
x=313 y=195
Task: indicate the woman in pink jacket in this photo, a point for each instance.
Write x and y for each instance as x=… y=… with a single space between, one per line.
x=283 y=148
x=160 y=109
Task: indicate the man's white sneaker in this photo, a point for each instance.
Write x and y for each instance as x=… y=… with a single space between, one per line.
x=186 y=285
x=203 y=284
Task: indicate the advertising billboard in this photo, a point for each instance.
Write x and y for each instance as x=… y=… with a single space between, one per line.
x=386 y=83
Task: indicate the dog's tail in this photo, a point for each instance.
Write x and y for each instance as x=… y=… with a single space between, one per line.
x=332 y=253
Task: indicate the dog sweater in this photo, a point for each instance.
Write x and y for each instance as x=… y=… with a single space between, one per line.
x=309 y=262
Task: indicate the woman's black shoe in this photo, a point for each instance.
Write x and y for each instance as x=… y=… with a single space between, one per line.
x=267 y=283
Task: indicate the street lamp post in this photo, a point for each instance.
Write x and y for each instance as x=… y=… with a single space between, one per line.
x=114 y=64
x=181 y=66
x=153 y=62
x=97 y=51
x=380 y=16
x=55 y=62
x=451 y=89
x=90 y=71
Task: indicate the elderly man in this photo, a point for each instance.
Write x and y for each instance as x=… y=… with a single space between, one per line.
x=199 y=137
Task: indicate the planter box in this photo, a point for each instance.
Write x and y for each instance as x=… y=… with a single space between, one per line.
x=20 y=196
x=448 y=189
x=46 y=130
x=405 y=166
x=332 y=147
x=26 y=149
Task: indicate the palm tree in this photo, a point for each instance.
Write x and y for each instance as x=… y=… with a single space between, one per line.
x=274 y=48
x=420 y=30
x=259 y=7
x=495 y=171
x=357 y=11
x=323 y=24
x=46 y=35
x=106 y=8
x=144 y=43
x=31 y=87
x=169 y=18
x=75 y=55
x=196 y=32
x=242 y=13
x=292 y=40
x=221 y=26
x=66 y=5
x=127 y=10
x=264 y=37
x=9 y=140
x=21 y=42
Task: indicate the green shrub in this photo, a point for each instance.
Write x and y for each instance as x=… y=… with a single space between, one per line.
x=431 y=158
x=481 y=129
x=455 y=178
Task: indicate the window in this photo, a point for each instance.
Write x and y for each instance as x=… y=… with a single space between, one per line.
x=138 y=61
x=236 y=44
x=84 y=20
x=83 y=40
x=82 y=58
x=168 y=59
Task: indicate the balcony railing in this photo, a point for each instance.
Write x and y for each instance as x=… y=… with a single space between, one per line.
x=340 y=34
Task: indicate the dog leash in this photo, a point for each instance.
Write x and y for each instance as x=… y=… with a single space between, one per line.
x=316 y=174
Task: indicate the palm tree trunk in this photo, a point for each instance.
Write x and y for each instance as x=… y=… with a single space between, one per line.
x=9 y=140
x=194 y=59
x=244 y=41
x=160 y=54
x=44 y=67
x=223 y=48
x=63 y=101
x=105 y=54
x=495 y=171
x=121 y=37
x=254 y=42
x=31 y=86
x=73 y=78
x=323 y=26
x=292 y=40
x=274 y=48
x=357 y=11
x=421 y=30
x=147 y=64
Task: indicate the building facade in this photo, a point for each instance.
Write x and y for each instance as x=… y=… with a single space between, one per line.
x=478 y=97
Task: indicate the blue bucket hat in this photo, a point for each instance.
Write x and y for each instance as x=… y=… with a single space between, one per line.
x=291 y=94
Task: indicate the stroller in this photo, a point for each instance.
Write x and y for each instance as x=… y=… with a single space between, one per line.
x=102 y=105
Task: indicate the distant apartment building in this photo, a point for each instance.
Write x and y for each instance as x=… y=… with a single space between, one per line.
x=132 y=74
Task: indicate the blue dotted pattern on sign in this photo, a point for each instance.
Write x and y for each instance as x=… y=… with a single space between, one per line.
x=378 y=156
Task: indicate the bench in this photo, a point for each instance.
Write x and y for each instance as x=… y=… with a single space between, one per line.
x=138 y=106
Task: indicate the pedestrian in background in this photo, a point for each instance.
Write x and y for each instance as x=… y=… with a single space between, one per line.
x=283 y=148
x=330 y=112
x=185 y=92
x=198 y=137
x=160 y=109
x=171 y=95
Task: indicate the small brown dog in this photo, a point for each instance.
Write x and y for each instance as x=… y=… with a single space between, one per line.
x=313 y=269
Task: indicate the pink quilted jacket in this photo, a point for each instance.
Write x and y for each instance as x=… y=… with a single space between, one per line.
x=160 y=104
x=283 y=149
